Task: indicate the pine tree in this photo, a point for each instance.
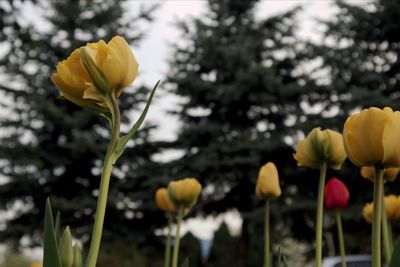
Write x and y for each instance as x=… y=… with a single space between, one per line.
x=242 y=83
x=50 y=147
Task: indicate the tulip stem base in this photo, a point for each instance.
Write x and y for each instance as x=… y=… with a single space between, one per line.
x=104 y=183
x=167 y=258
x=181 y=210
x=267 y=258
x=340 y=237
x=320 y=215
x=376 y=226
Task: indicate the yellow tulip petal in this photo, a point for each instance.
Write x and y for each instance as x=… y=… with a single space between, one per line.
x=390 y=141
x=364 y=136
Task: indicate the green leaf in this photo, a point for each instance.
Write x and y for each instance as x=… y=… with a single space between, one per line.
x=77 y=256
x=120 y=147
x=51 y=257
x=185 y=263
x=57 y=227
x=395 y=259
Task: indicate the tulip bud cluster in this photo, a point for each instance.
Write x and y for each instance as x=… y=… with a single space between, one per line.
x=181 y=193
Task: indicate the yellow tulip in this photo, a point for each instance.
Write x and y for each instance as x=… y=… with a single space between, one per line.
x=162 y=200
x=391 y=203
x=88 y=72
x=389 y=174
x=319 y=147
x=36 y=264
x=371 y=138
x=368 y=212
x=184 y=192
x=268 y=182
x=392 y=207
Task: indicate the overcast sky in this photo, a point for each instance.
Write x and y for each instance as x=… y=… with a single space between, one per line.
x=155 y=49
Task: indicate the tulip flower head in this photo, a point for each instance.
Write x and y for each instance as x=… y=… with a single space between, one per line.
x=184 y=192
x=268 y=182
x=163 y=202
x=368 y=212
x=94 y=70
x=371 y=138
x=319 y=147
x=392 y=208
x=336 y=194
x=389 y=174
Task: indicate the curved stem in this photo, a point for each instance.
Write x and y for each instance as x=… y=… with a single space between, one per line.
x=104 y=183
x=320 y=215
x=385 y=233
x=167 y=257
x=376 y=226
x=267 y=259
x=340 y=235
x=177 y=237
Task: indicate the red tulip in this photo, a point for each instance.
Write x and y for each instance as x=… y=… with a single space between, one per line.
x=336 y=194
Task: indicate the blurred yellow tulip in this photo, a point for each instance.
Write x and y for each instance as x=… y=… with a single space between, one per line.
x=268 y=182
x=162 y=200
x=392 y=204
x=94 y=70
x=319 y=147
x=184 y=192
x=392 y=208
x=371 y=138
x=368 y=212
x=36 y=264
x=389 y=174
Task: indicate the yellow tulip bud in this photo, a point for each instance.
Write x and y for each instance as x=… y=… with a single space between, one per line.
x=162 y=200
x=321 y=147
x=368 y=212
x=371 y=138
x=389 y=174
x=184 y=192
x=268 y=182
x=94 y=70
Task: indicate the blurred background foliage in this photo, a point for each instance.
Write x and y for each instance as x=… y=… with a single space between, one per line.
x=251 y=88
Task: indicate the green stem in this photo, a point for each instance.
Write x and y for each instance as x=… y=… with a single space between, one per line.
x=376 y=226
x=267 y=259
x=390 y=235
x=341 y=239
x=177 y=237
x=320 y=214
x=167 y=258
x=104 y=183
x=385 y=233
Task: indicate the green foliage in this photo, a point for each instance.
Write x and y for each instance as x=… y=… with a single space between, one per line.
x=51 y=255
x=395 y=259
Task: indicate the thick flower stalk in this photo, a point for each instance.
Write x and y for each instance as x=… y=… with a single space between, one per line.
x=371 y=139
x=94 y=76
x=183 y=194
x=267 y=187
x=165 y=204
x=337 y=198
x=320 y=150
